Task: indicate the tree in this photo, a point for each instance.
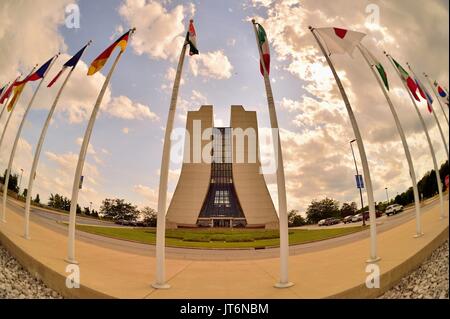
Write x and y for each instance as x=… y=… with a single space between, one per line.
x=325 y=208
x=118 y=209
x=60 y=202
x=25 y=192
x=295 y=219
x=37 y=200
x=149 y=216
x=12 y=183
x=86 y=211
x=348 y=209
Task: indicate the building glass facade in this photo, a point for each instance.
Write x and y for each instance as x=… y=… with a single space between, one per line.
x=221 y=207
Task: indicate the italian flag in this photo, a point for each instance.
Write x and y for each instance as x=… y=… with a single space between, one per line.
x=412 y=85
x=374 y=61
x=264 y=46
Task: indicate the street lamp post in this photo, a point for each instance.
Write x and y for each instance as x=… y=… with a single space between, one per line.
x=387 y=195
x=357 y=174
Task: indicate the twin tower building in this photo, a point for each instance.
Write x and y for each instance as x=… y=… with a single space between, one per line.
x=221 y=183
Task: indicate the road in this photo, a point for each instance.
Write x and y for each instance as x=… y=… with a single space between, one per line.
x=52 y=220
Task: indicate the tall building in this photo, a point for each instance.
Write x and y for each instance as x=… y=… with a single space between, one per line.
x=221 y=184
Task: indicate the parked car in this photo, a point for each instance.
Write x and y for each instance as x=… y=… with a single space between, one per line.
x=331 y=221
x=357 y=218
x=347 y=219
x=377 y=214
x=393 y=209
x=321 y=222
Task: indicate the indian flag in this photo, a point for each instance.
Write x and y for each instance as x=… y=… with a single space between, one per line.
x=264 y=46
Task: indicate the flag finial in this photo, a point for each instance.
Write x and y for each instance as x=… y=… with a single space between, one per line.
x=89 y=43
x=191 y=20
x=253 y=21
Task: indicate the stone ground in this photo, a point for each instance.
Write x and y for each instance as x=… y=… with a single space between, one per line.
x=429 y=281
x=17 y=283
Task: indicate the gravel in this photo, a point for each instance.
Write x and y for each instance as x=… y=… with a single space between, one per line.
x=429 y=281
x=17 y=283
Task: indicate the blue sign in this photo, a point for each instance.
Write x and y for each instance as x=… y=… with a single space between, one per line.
x=359 y=181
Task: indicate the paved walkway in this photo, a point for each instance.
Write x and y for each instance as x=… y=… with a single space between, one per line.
x=317 y=274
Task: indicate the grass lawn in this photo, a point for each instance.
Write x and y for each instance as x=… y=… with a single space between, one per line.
x=219 y=238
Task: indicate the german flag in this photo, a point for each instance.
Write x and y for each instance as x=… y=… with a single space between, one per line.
x=101 y=60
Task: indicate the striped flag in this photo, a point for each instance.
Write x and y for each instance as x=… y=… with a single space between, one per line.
x=374 y=61
x=8 y=91
x=101 y=60
x=71 y=63
x=412 y=85
x=264 y=47
x=191 y=39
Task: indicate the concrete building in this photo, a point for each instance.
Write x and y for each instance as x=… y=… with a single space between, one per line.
x=221 y=184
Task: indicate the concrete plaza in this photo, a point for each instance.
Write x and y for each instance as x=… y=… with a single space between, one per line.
x=335 y=272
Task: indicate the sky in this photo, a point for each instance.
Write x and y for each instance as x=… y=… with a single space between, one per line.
x=125 y=148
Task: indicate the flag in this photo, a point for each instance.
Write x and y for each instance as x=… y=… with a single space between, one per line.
x=17 y=92
x=8 y=91
x=264 y=46
x=412 y=85
x=374 y=61
x=72 y=62
x=440 y=90
x=39 y=74
x=340 y=41
x=425 y=94
x=2 y=89
x=191 y=39
x=101 y=60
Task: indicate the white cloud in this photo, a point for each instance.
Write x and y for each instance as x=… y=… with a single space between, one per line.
x=124 y=108
x=125 y=130
x=211 y=64
x=160 y=31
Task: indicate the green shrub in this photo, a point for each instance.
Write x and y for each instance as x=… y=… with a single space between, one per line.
x=239 y=239
x=218 y=237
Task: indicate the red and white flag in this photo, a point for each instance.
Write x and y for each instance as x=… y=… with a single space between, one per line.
x=340 y=41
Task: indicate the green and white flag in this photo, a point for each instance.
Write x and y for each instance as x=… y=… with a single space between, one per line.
x=374 y=61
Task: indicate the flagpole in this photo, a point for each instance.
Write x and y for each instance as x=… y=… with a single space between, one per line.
x=19 y=131
x=81 y=159
x=281 y=183
x=7 y=123
x=401 y=132
x=160 y=281
x=6 y=105
x=435 y=117
x=436 y=169
x=436 y=94
x=38 y=152
x=362 y=152
x=3 y=109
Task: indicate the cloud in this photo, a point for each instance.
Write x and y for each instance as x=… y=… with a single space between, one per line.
x=316 y=147
x=124 y=108
x=161 y=31
x=211 y=64
x=125 y=130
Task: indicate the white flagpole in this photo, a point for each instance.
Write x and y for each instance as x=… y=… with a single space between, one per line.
x=5 y=189
x=362 y=152
x=160 y=281
x=81 y=158
x=412 y=172
x=5 y=105
x=38 y=152
x=430 y=144
x=436 y=94
x=281 y=183
x=19 y=131
x=435 y=117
